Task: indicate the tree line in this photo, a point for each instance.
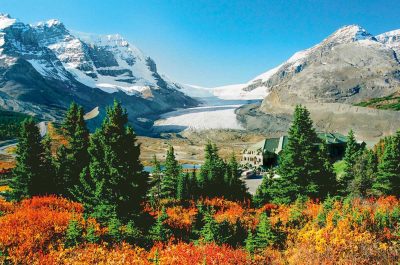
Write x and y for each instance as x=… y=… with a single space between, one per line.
x=103 y=171
x=305 y=168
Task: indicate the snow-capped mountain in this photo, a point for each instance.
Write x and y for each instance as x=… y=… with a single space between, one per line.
x=391 y=39
x=49 y=65
x=349 y=65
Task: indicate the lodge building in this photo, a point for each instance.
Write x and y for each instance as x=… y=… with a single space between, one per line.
x=265 y=154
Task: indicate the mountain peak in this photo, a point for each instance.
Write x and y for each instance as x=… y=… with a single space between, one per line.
x=52 y=23
x=6 y=21
x=350 y=33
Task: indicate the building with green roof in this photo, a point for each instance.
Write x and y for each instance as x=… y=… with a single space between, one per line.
x=266 y=153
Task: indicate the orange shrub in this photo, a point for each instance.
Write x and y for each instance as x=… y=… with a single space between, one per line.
x=183 y=254
x=97 y=254
x=36 y=226
x=181 y=218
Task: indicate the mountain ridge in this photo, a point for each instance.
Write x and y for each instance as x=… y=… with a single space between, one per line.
x=48 y=66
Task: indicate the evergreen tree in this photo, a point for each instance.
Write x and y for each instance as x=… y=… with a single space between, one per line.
x=387 y=181
x=264 y=235
x=91 y=235
x=250 y=242
x=169 y=182
x=159 y=232
x=300 y=167
x=210 y=231
x=114 y=230
x=114 y=182
x=212 y=173
x=350 y=157
x=155 y=182
x=74 y=157
x=69 y=123
x=74 y=234
x=364 y=170
x=262 y=194
x=182 y=186
x=326 y=181
x=236 y=188
x=32 y=174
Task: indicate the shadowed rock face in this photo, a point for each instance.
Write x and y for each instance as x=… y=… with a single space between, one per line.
x=45 y=67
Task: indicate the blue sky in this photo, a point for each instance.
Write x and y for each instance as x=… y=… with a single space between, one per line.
x=213 y=43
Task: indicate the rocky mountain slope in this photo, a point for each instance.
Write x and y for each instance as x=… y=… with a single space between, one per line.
x=348 y=67
x=44 y=67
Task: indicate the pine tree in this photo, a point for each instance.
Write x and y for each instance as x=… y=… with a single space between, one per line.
x=264 y=235
x=262 y=194
x=74 y=157
x=387 y=181
x=155 y=182
x=169 y=181
x=70 y=120
x=212 y=173
x=300 y=165
x=91 y=235
x=48 y=175
x=159 y=232
x=350 y=157
x=364 y=169
x=250 y=242
x=32 y=174
x=210 y=231
x=114 y=181
x=326 y=181
x=236 y=188
x=74 y=234
x=181 y=187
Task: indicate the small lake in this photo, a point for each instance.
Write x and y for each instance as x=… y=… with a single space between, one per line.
x=184 y=166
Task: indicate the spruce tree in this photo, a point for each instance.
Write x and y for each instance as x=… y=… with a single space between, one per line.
x=350 y=157
x=48 y=169
x=264 y=235
x=155 y=182
x=181 y=186
x=159 y=232
x=262 y=194
x=300 y=170
x=114 y=182
x=169 y=182
x=212 y=173
x=32 y=174
x=250 y=242
x=326 y=181
x=210 y=231
x=236 y=188
x=387 y=181
x=364 y=170
x=73 y=234
x=74 y=157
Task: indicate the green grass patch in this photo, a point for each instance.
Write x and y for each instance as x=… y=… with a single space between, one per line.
x=391 y=102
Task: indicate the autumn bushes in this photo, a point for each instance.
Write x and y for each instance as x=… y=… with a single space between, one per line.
x=349 y=232
x=34 y=226
x=42 y=230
